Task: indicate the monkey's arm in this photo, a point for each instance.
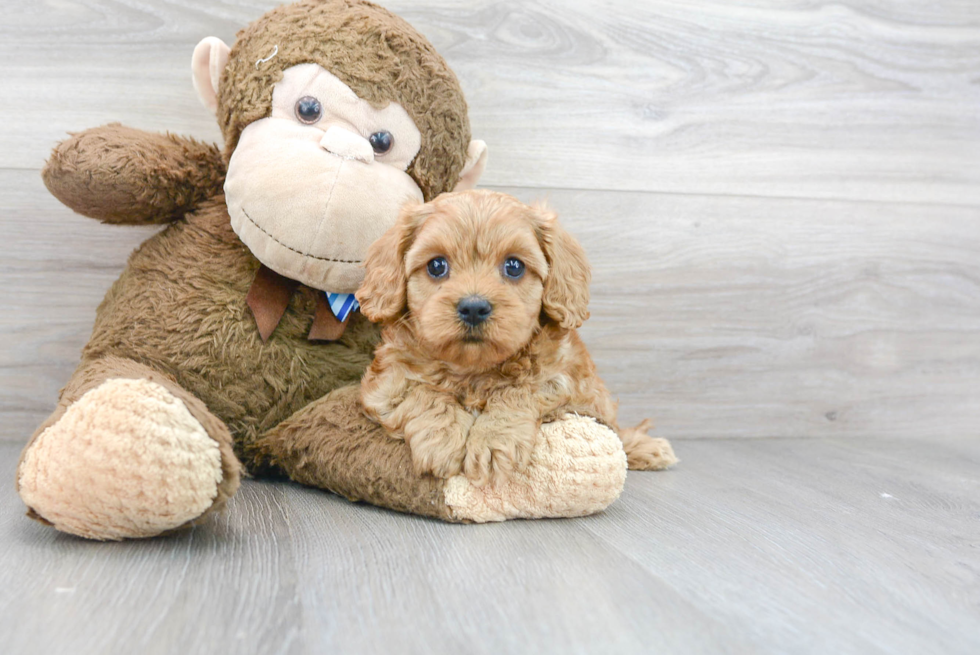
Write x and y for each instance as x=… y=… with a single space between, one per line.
x=122 y=175
x=577 y=466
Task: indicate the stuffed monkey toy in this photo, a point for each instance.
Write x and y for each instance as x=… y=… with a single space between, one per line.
x=231 y=341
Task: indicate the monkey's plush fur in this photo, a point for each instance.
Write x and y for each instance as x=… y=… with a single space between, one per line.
x=176 y=391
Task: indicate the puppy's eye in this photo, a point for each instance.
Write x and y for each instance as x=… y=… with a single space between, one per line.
x=308 y=110
x=514 y=268
x=438 y=267
x=381 y=141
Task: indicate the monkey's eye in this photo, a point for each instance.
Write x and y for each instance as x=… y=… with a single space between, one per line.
x=514 y=268
x=308 y=110
x=437 y=267
x=381 y=141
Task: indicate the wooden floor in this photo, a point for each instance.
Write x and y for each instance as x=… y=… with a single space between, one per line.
x=768 y=546
x=781 y=202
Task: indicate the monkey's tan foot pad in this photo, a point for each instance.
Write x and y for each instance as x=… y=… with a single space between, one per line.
x=126 y=460
x=578 y=467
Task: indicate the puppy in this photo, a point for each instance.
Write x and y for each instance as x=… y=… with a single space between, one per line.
x=479 y=296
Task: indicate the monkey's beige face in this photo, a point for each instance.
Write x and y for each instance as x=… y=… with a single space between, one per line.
x=310 y=187
x=475 y=282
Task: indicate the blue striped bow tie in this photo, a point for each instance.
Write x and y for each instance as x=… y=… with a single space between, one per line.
x=342 y=304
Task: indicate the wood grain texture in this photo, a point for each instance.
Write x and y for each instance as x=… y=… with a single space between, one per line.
x=510 y=588
x=761 y=546
x=826 y=546
x=55 y=267
x=859 y=99
x=228 y=587
x=734 y=316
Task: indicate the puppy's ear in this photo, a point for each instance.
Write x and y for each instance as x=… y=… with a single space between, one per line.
x=566 y=289
x=382 y=293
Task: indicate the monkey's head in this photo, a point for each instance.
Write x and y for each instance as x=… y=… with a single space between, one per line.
x=334 y=114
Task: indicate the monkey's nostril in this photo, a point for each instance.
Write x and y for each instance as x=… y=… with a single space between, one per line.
x=474 y=310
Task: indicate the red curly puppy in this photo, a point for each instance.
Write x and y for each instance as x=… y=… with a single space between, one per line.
x=480 y=296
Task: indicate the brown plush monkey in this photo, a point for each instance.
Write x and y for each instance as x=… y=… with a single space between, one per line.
x=217 y=347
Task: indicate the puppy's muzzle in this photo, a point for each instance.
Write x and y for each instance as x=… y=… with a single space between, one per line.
x=474 y=310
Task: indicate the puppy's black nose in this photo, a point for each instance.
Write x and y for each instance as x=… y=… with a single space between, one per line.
x=473 y=310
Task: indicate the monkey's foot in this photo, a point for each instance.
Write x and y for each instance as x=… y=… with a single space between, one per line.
x=126 y=460
x=577 y=467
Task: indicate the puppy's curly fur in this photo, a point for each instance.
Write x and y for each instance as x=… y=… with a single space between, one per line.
x=470 y=396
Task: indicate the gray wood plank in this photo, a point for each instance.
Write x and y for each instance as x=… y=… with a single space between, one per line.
x=733 y=316
x=55 y=267
x=822 y=546
x=228 y=586
x=858 y=99
x=717 y=316
x=386 y=582
x=765 y=546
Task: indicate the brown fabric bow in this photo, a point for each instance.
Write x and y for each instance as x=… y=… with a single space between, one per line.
x=269 y=296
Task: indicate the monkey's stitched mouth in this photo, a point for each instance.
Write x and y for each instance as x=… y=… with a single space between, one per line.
x=298 y=252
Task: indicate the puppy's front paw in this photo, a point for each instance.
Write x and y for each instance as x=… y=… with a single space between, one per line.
x=495 y=451
x=439 y=450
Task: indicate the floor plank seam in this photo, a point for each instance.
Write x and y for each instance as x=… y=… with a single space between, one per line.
x=745 y=196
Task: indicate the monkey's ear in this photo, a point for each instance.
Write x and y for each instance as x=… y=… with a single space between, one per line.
x=207 y=64
x=566 y=289
x=382 y=293
x=476 y=161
